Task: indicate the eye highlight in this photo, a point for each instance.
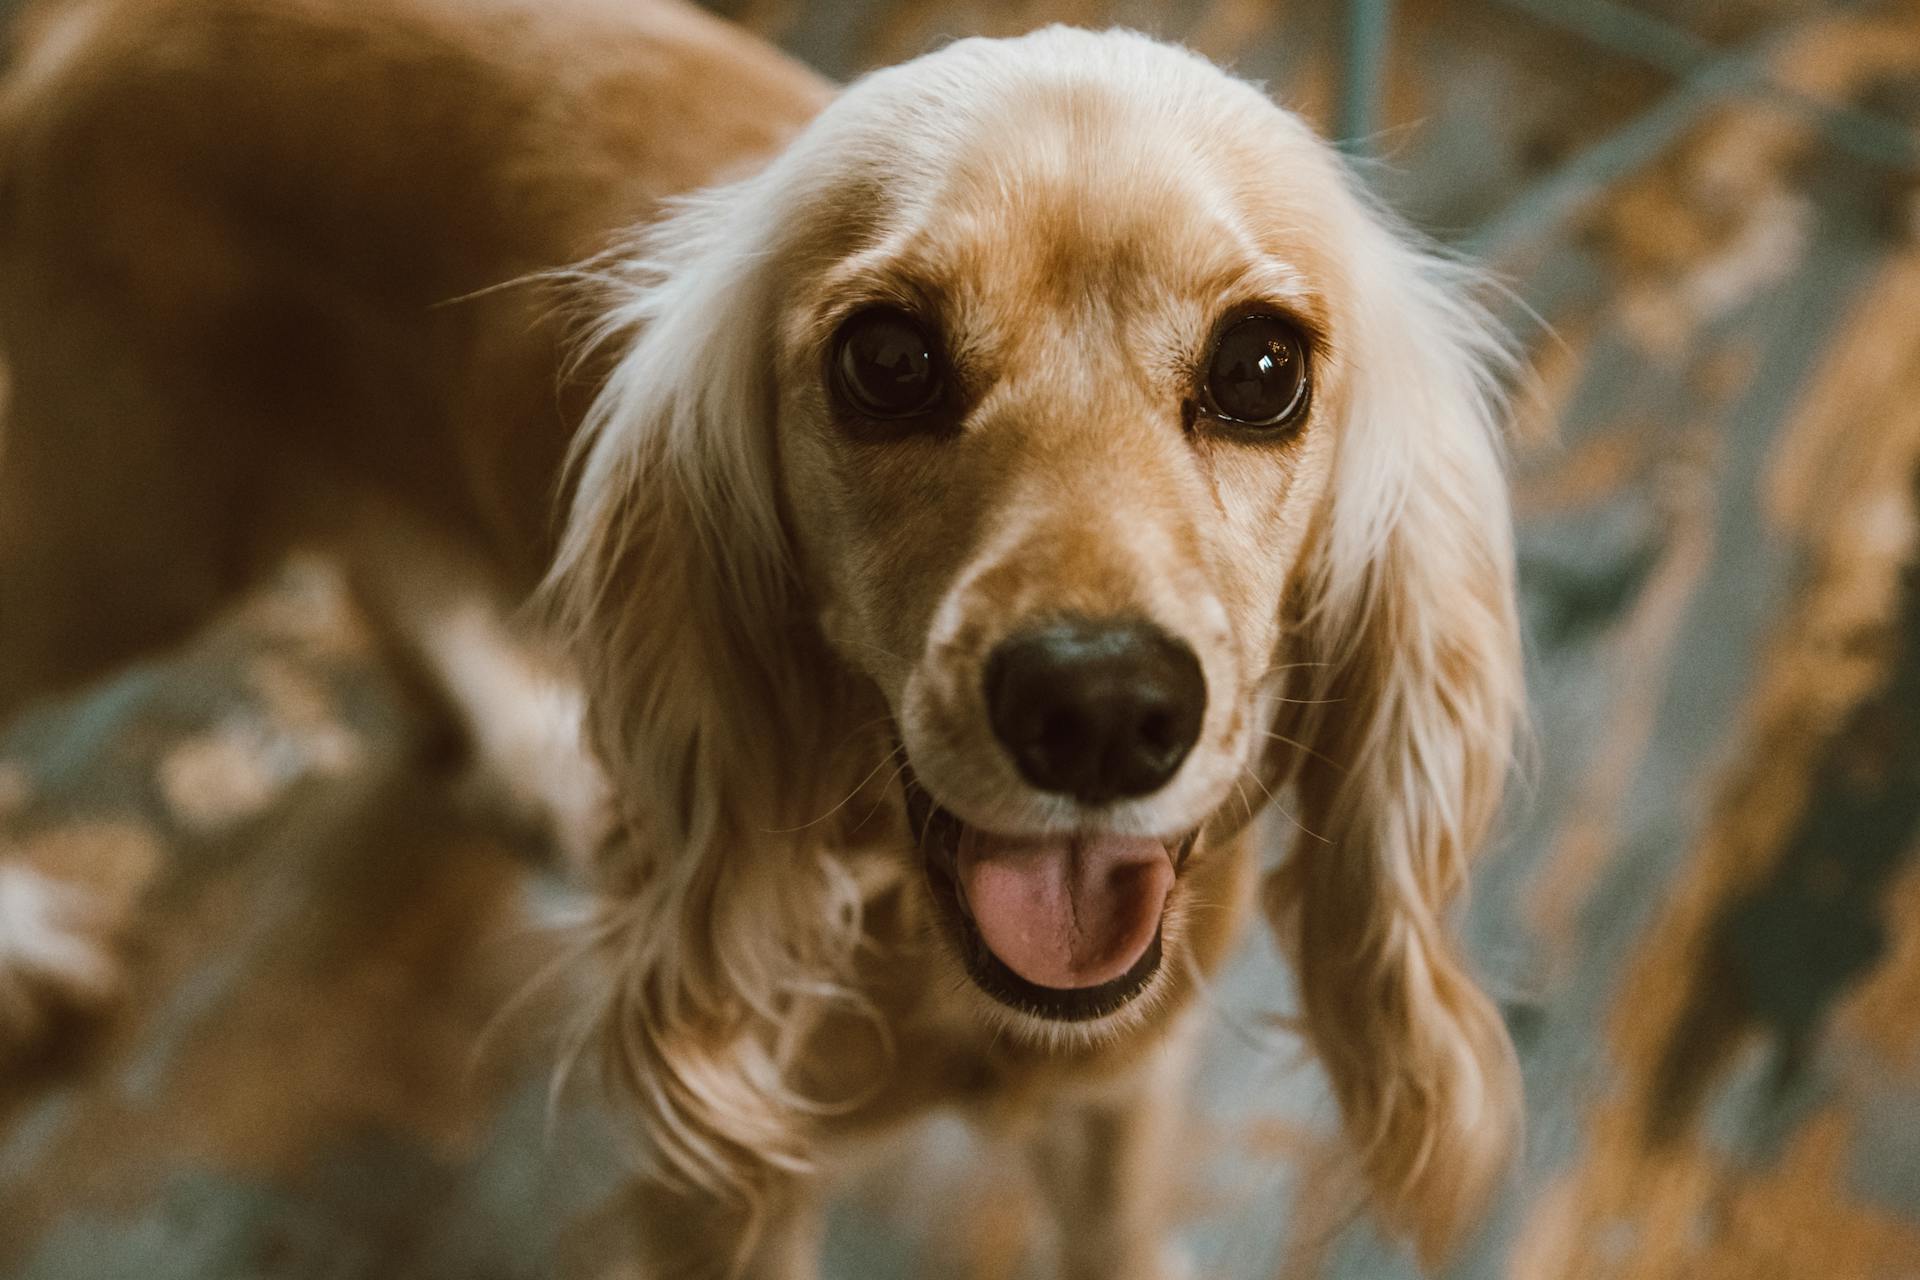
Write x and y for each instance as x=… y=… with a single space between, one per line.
x=885 y=364
x=1256 y=374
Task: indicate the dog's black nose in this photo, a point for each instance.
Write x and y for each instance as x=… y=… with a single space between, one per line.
x=1096 y=710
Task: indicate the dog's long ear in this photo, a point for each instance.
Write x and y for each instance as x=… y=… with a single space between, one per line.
x=1406 y=608
x=708 y=700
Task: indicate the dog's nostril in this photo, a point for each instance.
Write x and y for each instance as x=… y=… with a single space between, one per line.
x=1156 y=730
x=1063 y=731
x=1096 y=710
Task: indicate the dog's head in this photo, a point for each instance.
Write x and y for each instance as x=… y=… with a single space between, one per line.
x=1054 y=433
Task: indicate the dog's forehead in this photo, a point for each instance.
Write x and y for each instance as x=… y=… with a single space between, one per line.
x=1074 y=185
x=1144 y=182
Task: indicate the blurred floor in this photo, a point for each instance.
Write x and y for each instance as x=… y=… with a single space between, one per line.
x=1704 y=921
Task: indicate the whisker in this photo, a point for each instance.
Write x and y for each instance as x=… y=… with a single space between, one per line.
x=544 y=978
x=857 y=787
x=1279 y=808
x=1301 y=746
x=1204 y=991
x=859 y=729
x=926 y=828
x=886 y=786
x=1279 y=667
x=1300 y=826
x=877 y=648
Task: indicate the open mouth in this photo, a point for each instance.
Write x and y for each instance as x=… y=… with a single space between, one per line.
x=1066 y=927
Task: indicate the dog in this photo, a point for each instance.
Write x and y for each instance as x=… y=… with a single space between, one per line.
x=959 y=502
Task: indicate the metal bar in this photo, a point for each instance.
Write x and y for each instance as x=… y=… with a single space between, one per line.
x=1644 y=38
x=1363 y=72
x=1542 y=207
x=1629 y=31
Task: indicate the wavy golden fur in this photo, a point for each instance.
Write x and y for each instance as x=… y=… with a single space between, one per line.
x=779 y=618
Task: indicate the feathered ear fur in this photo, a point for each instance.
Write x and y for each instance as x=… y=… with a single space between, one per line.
x=709 y=699
x=1407 y=614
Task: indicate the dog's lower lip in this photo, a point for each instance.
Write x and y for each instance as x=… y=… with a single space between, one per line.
x=938 y=832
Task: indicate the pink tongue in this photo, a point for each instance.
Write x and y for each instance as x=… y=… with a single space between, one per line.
x=1070 y=912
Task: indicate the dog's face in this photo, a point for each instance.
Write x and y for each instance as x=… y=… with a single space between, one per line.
x=1062 y=396
x=1054 y=405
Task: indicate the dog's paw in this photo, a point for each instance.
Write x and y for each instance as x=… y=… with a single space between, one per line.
x=56 y=956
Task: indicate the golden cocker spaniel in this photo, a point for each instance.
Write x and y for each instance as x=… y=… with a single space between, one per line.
x=964 y=499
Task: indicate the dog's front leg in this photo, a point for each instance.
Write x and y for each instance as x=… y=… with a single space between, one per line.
x=1105 y=1167
x=685 y=1235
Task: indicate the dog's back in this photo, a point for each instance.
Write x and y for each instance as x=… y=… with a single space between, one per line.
x=257 y=265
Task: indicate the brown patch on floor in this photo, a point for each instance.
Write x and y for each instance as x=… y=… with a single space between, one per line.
x=16 y=789
x=240 y=767
x=113 y=860
x=1649 y=1197
x=1720 y=217
x=1642 y=647
x=1592 y=472
x=1556 y=362
x=1690 y=1217
x=1883 y=1014
x=1797 y=1220
x=345 y=982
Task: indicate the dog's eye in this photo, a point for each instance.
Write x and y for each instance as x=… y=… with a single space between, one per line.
x=886 y=365
x=1257 y=376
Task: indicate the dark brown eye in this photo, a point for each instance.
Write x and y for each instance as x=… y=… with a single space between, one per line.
x=1257 y=375
x=886 y=365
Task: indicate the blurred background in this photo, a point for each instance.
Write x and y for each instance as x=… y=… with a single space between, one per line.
x=1702 y=918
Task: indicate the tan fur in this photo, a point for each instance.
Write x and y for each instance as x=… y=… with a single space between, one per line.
x=279 y=270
